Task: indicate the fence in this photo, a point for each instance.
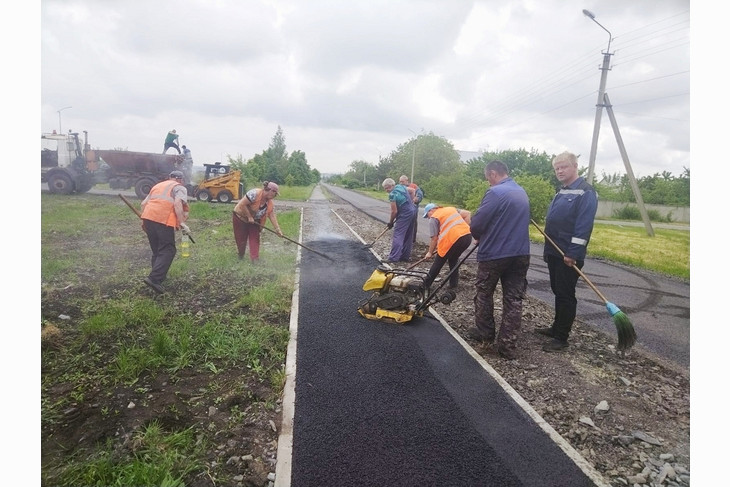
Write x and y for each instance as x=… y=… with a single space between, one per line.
x=679 y=214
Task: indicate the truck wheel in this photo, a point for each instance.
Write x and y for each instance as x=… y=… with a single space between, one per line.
x=225 y=196
x=203 y=195
x=143 y=186
x=60 y=183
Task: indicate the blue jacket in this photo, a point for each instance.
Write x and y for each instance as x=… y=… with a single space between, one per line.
x=502 y=221
x=569 y=221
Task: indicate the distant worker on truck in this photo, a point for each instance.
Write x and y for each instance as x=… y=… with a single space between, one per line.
x=187 y=163
x=171 y=141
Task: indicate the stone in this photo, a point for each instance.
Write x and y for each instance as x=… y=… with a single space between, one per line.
x=601 y=407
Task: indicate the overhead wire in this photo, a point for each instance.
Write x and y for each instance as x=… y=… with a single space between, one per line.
x=562 y=78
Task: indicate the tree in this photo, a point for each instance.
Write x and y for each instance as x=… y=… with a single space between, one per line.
x=273 y=164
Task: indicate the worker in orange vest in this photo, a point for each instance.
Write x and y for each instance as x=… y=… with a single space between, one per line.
x=164 y=210
x=450 y=237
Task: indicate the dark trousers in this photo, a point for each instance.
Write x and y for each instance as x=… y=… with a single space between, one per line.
x=563 y=280
x=162 y=243
x=512 y=273
x=173 y=145
x=452 y=257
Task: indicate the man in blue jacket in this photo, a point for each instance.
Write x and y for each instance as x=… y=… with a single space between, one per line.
x=501 y=226
x=569 y=223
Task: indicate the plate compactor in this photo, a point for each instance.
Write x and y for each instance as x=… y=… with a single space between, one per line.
x=399 y=295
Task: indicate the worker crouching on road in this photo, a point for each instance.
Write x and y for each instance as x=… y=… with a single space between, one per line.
x=250 y=214
x=501 y=226
x=450 y=237
x=164 y=210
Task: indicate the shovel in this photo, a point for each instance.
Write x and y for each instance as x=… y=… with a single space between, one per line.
x=370 y=245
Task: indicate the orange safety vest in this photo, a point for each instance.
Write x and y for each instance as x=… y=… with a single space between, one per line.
x=160 y=204
x=256 y=204
x=451 y=228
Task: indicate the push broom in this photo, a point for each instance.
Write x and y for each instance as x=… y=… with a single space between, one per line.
x=624 y=328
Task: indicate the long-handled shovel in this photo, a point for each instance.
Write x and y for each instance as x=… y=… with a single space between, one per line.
x=370 y=245
x=415 y=264
x=140 y=215
x=624 y=327
x=295 y=242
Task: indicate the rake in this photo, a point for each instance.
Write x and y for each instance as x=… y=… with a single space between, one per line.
x=624 y=327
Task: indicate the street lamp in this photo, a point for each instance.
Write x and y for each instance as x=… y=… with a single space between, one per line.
x=600 y=102
x=590 y=15
x=60 y=131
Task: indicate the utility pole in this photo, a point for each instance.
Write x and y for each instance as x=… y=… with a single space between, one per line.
x=599 y=104
x=60 y=130
x=629 y=171
x=602 y=102
x=413 y=161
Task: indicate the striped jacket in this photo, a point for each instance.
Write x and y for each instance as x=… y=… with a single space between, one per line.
x=569 y=221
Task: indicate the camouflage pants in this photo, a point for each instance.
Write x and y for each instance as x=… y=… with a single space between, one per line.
x=512 y=273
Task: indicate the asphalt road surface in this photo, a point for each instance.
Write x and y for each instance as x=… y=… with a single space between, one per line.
x=409 y=405
x=658 y=306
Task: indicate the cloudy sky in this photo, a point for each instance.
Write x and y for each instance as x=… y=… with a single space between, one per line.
x=351 y=80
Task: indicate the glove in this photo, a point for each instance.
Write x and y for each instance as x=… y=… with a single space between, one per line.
x=390 y=225
x=185 y=229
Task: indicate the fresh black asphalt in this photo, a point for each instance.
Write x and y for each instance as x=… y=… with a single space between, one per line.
x=385 y=404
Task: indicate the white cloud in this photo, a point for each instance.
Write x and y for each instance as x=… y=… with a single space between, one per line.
x=349 y=80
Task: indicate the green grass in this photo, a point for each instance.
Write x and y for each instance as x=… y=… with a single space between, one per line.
x=161 y=458
x=220 y=317
x=667 y=252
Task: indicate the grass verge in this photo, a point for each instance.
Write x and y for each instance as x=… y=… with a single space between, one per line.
x=139 y=389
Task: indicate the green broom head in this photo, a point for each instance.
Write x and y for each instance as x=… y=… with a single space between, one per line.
x=624 y=328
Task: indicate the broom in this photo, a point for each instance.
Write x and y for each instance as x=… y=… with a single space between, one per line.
x=624 y=328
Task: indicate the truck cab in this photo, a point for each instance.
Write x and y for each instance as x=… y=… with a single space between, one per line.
x=63 y=163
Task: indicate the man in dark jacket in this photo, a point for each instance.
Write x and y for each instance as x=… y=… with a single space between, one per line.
x=501 y=226
x=569 y=223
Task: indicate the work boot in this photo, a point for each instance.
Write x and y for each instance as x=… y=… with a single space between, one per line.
x=478 y=336
x=555 y=345
x=156 y=287
x=548 y=332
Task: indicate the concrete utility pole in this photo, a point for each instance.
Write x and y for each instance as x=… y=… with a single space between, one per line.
x=413 y=161
x=629 y=171
x=602 y=102
x=599 y=104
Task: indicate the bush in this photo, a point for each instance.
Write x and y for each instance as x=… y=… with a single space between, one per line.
x=627 y=213
x=540 y=192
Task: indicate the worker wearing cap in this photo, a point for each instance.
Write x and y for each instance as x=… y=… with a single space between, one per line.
x=164 y=210
x=250 y=214
x=450 y=237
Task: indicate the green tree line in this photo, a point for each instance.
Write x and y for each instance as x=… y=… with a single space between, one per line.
x=275 y=164
x=438 y=170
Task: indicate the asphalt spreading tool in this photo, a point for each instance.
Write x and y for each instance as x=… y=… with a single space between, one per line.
x=370 y=245
x=399 y=295
x=295 y=242
x=624 y=327
x=185 y=229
